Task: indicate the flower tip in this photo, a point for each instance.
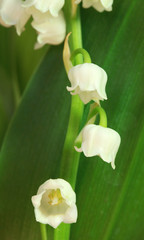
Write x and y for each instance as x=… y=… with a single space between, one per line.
x=78 y=149
x=105 y=98
x=68 y=89
x=113 y=165
x=53 y=13
x=71 y=90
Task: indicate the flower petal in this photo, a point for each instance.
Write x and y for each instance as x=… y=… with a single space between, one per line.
x=101 y=141
x=89 y=81
x=36 y=200
x=71 y=215
x=99 y=5
x=107 y=4
x=51 y=30
x=12 y=13
x=54 y=6
x=52 y=220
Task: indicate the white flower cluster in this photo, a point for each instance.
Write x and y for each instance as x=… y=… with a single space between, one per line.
x=55 y=201
x=88 y=80
x=48 y=18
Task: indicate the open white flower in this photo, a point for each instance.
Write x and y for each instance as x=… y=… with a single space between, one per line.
x=51 y=30
x=55 y=203
x=53 y=6
x=12 y=13
x=99 y=5
x=101 y=141
x=88 y=81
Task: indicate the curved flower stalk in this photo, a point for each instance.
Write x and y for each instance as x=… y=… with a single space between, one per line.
x=53 y=6
x=12 y=13
x=99 y=5
x=88 y=80
x=55 y=203
x=100 y=141
x=51 y=30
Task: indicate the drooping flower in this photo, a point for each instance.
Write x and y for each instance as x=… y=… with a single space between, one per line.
x=53 y=6
x=99 y=5
x=51 y=30
x=55 y=203
x=48 y=19
x=88 y=81
x=12 y=13
x=101 y=141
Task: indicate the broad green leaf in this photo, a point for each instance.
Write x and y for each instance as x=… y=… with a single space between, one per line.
x=37 y=131
x=27 y=58
x=110 y=202
x=18 y=59
x=17 y=53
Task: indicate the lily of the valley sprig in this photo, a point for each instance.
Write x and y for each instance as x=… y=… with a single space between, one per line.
x=55 y=201
x=89 y=81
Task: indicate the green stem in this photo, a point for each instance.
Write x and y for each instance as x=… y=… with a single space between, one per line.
x=103 y=117
x=85 y=54
x=70 y=158
x=43 y=231
x=102 y=113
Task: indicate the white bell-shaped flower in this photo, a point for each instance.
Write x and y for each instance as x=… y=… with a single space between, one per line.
x=55 y=203
x=53 y=6
x=51 y=30
x=12 y=13
x=101 y=141
x=99 y=5
x=88 y=81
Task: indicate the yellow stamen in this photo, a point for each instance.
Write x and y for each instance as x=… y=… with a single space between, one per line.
x=55 y=197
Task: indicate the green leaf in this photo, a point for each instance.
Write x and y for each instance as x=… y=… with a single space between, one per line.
x=110 y=203
x=17 y=63
x=33 y=145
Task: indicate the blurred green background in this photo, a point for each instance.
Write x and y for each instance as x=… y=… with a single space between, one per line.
x=34 y=111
